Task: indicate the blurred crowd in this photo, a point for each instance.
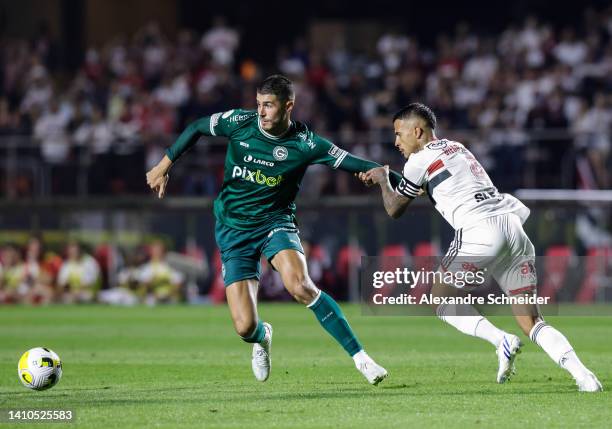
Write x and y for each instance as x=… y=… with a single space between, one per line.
x=131 y=96
x=77 y=274
x=35 y=275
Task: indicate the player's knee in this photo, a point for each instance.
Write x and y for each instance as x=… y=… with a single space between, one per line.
x=526 y=316
x=244 y=327
x=300 y=287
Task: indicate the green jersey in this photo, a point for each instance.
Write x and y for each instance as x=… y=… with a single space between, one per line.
x=263 y=172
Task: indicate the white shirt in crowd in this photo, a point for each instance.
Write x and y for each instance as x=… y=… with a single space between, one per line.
x=83 y=273
x=50 y=130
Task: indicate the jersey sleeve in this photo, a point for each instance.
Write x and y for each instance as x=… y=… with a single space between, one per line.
x=219 y=124
x=337 y=158
x=225 y=123
x=413 y=177
x=325 y=152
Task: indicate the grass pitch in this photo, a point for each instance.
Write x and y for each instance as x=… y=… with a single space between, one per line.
x=184 y=367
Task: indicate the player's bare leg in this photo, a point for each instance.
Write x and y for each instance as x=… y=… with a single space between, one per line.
x=292 y=267
x=555 y=345
x=469 y=321
x=242 y=302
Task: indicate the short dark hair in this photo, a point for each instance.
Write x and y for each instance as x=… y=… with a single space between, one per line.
x=417 y=109
x=277 y=85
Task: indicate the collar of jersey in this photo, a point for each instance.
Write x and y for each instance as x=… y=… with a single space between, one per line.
x=270 y=136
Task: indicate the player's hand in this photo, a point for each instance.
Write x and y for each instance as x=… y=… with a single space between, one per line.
x=377 y=175
x=157 y=181
x=157 y=177
x=362 y=176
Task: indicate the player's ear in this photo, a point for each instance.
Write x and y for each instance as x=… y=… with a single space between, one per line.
x=289 y=105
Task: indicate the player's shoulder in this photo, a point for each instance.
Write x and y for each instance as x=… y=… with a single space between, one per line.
x=441 y=145
x=445 y=147
x=306 y=140
x=229 y=122
x=237 y=116
x=429 y=152
x=423 y=158
x=301 y=131
x=436 y=149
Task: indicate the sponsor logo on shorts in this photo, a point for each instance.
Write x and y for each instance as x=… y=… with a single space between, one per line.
x=528 y=269
x=282 y=228
x=256 y=176
x=280 y=153
x=251 y=158
x=469 y=266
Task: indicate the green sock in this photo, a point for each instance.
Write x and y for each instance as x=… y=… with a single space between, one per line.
x=330 y=316
x=258 y=334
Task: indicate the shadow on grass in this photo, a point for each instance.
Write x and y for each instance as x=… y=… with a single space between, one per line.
x=108 y=396
x=56 y=392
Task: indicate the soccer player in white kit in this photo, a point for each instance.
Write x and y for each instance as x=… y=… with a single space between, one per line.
x=488 y=236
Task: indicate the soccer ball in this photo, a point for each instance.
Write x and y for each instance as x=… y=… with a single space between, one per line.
x=39 y=368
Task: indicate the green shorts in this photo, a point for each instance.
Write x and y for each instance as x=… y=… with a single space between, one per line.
x=242 y=250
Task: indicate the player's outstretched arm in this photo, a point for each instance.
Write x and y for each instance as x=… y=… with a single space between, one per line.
x=356 y=165
x=221 y=124
x=395 y=203
x=157 y=177
x=327 y=153
x=188 y=138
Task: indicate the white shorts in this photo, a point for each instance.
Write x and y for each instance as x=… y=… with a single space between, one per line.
x=497 y=246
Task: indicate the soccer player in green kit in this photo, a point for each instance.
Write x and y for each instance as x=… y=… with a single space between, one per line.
x=266 y=159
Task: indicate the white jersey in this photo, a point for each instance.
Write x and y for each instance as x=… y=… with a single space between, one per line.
x=457 y=185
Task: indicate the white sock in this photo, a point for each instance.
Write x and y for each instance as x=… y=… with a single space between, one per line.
x=487 y=331
x=558 y=348
x=467 y=320
x=361 y=357
x=573 y=365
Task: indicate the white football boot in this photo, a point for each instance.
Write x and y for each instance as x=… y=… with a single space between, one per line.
x=261 y=362
x=372 y=371
x=589 y=383
x=506 y=353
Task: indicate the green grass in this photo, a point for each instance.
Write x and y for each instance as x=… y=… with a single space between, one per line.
x=184 y=367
